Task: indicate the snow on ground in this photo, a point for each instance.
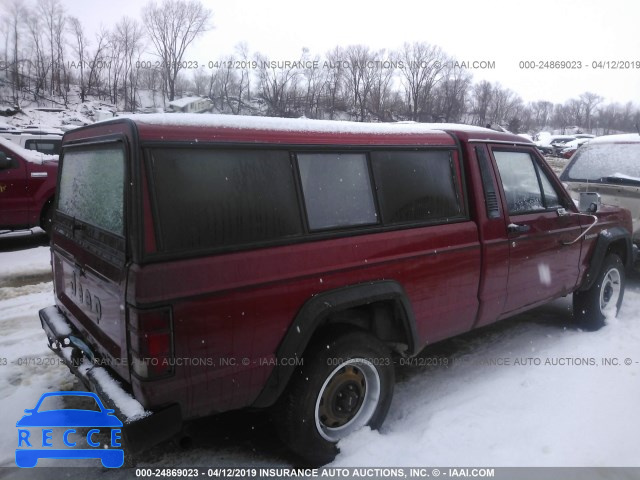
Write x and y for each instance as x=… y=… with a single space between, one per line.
x=536 y=395
x=492 y=405
x=35 y=261
x=27 y=367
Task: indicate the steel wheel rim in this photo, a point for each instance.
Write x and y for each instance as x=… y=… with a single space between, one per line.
x=347 y=399
x=610 y=291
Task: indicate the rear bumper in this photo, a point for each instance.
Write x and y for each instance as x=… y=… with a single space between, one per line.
x=142 y=429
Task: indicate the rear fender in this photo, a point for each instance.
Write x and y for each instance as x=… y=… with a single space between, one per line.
x=315 y=314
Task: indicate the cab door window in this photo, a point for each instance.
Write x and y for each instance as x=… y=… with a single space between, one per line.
x=526 y=187
x=551 y=198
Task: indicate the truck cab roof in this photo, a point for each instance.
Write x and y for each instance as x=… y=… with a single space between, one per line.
x=229 y=128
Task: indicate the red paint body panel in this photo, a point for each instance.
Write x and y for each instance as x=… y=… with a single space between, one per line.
x=231 y=309
x=241 y=304
x=156 y=133
x=25 y=191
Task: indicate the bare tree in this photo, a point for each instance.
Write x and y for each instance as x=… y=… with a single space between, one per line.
x=39 y=63
x=481 y=98
x=561 y=116
x=422 y=70
x=16 y=14
x=200 y=81
x=334 y=66
x=505 y=105
x=627 y=122
x=575 y=111
x=277 y=83
x=381 y=97
x=542 y=111
x=150 y=80
x=359 y=65
x=609 y=117
x=451 y=94
x=53 y=15
x=97 y=62
x=314 y=80
x=129 y=33
x=244 y=86
x=6 y=30
x=80 y=49
x=214 y=88
x=589 y=101
x=229 y=85
x=172 y=26
x=115 y=66
x=183 y=84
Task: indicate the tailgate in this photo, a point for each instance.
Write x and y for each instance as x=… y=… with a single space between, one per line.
x=89 y=251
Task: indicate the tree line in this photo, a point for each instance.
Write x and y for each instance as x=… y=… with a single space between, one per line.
x=46 y=53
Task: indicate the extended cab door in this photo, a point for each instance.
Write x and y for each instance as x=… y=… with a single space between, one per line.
x=14 y=197
x=540 y=227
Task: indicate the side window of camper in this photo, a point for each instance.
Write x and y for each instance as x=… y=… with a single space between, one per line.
x=416 y=186
x=208 y=198
x=337 y=190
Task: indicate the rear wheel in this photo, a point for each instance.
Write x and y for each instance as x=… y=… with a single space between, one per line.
x=344 y=384
x=592 y=307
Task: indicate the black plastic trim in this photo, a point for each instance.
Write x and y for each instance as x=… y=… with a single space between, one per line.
x=605 y=239
x=315 y=312
x=492 y=202
x=139 y=434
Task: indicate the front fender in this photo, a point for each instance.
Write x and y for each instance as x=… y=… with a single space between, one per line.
x=606 y=239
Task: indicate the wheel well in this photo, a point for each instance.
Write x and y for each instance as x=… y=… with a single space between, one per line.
x=44 y=212
x=619 y=247
x=45 y=207
x=381 y=308
x=383 y=319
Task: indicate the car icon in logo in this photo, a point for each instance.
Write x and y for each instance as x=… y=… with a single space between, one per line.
x=36 y=434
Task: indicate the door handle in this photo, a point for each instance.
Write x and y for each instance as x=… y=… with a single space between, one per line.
x=513 y=228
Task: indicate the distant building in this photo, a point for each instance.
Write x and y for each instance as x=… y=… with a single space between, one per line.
x=191 y=105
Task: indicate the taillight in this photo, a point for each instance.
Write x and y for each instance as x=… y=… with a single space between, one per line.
x=150 y=342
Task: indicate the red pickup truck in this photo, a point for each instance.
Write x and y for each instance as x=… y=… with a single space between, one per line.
x=207 y=263
x=27 y=187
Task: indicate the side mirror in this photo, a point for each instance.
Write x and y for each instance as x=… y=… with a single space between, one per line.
x=589 y=202
x=5 y=162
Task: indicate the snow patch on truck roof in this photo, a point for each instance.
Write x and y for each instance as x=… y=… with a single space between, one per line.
x=244 y=122
x=625 y=137
x=32 y=156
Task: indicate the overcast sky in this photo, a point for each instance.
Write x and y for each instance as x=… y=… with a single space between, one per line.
x=502 y=31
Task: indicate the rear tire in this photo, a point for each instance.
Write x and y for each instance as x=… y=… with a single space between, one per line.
x=592 y=307
x=345 y=384
x=46 y=219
